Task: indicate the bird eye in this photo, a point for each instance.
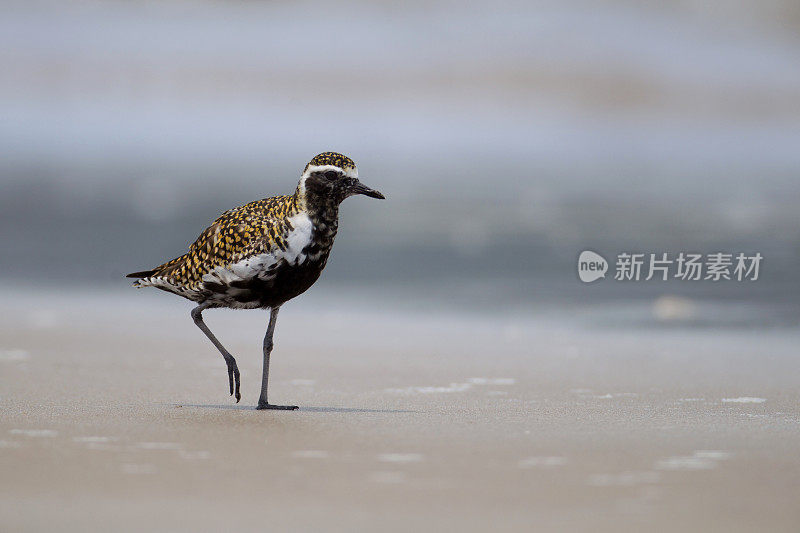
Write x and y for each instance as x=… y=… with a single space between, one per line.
x=331 y=175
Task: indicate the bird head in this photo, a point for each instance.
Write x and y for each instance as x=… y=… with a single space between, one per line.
x=332 y=177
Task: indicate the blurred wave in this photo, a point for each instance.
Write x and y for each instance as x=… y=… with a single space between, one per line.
x=507 y=136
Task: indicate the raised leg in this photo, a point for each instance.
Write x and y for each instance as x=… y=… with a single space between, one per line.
x=233 y=370
x=262 y=400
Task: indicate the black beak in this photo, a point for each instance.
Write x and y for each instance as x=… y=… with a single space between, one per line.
x=360 y=188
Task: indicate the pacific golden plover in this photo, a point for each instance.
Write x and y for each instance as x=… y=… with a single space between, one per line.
x=262 y=254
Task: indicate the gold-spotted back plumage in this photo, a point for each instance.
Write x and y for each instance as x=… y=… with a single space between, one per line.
x=262 y=254
x=251 y=229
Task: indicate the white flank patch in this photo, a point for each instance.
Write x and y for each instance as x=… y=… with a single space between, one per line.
x=298 y=238
x=542 y=462
x=744 y=399
x=34 y=432
x=258 y=266
x=400 y=457
x=13 y=355
x=310 y=454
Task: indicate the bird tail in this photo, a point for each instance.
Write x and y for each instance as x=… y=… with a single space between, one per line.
x=145 y=276
x=142 y=274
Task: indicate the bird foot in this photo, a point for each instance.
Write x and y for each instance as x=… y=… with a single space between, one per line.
x=264 y=405
x=233 y=379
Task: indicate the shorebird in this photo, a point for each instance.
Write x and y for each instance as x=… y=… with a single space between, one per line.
x=262 y=254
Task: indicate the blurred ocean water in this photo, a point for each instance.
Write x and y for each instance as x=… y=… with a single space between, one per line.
x=508 y=137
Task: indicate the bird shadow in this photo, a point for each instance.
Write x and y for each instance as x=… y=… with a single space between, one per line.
x=309 y=409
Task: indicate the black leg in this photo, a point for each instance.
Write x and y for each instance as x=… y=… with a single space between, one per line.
x=233 y=370
x=262 y=400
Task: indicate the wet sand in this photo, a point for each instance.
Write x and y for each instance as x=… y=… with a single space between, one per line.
x=115 y=416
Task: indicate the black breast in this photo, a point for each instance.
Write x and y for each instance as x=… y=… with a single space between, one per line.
x=285 y=280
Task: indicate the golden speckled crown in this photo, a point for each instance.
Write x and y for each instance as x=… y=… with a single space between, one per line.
x=331 y=158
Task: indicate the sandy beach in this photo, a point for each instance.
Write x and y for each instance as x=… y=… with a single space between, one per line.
x=453 y=372
x=115 y=416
